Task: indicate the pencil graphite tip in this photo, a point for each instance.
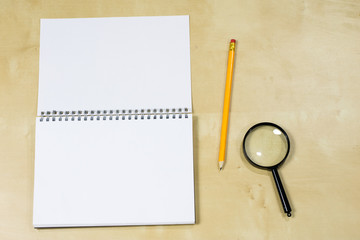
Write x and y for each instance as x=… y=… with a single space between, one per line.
x=221 y=165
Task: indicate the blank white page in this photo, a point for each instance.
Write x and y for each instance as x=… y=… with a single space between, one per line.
x=114 y=172
x=114 y=63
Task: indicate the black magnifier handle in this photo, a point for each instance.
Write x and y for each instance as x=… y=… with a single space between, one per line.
x=282 y=194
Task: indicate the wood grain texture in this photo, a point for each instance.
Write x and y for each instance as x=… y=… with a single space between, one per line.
x=297 y=64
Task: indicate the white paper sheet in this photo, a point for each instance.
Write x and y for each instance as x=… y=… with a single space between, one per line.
x=114 y=63
x=114 y=172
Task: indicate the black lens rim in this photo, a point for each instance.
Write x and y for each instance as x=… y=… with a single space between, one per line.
x=266 y=124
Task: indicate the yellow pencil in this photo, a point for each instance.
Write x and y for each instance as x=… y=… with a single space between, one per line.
x=225 y=118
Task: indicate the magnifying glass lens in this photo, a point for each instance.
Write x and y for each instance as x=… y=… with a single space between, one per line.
x=266 y=145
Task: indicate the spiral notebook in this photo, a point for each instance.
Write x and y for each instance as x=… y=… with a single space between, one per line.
x=114 y=123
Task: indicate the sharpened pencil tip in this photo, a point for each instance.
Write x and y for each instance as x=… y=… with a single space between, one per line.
x=221 y=165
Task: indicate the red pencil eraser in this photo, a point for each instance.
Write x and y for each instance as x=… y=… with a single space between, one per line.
x=233 y=41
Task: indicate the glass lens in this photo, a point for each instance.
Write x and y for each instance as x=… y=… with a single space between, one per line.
x=266 y=145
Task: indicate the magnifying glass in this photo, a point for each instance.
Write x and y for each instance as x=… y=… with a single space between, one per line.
x=266 y=146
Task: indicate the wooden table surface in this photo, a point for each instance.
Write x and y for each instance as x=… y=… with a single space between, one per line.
x=297 y=64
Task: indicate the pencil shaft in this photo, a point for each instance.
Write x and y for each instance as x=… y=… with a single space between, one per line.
x=227 y=97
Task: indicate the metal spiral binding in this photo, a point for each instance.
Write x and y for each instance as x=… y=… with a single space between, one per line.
x=129 y=114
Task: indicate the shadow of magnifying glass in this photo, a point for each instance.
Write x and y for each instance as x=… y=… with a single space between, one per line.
x=266 y=146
